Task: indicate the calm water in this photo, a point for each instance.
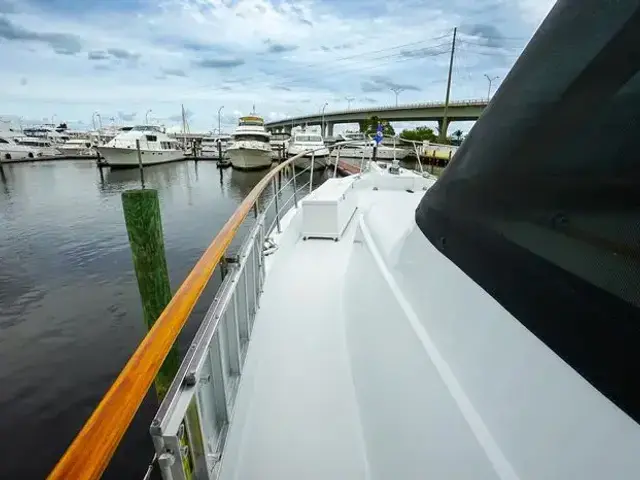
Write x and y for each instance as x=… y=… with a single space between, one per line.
x=70 y=314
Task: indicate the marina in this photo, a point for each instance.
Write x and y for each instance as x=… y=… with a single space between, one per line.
x=367 y=292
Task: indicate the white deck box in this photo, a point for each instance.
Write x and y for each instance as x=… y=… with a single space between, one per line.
x=327 y=210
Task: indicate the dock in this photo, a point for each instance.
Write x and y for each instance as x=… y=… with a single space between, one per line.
x=345 y=168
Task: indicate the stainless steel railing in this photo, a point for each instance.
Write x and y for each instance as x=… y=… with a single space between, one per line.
x=190 y=428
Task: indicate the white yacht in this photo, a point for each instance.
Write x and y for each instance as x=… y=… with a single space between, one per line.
x=155 y=147
x=250 y=149
x=12 y=151
x=46 y=132
x=303 y=141
x=77 y=147
x=364 y=146
x=41 y=145
x=209 y=146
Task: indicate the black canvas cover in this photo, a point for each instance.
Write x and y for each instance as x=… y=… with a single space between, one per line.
x=541 y=204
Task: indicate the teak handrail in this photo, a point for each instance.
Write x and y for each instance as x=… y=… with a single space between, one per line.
x=90 y=452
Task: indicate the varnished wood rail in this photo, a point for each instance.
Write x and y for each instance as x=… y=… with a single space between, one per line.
x=90 y=452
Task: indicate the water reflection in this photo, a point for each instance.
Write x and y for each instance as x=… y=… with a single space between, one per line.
x=69 y=308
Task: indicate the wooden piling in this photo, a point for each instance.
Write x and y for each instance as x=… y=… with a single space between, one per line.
x=144 y=228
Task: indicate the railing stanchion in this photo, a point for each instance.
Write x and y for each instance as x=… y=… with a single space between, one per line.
x=335 y=167
x=275 y=196
x=313 y=158
x=295 y=188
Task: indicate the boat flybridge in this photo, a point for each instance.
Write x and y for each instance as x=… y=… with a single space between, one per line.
x=390 y=326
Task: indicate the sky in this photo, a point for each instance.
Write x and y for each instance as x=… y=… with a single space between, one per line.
x=126 y=60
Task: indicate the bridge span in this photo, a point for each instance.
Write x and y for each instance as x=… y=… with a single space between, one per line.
x=464 y=110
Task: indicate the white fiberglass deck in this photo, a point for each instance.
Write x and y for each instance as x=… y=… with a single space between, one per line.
x=297 y=396
x=375 y=357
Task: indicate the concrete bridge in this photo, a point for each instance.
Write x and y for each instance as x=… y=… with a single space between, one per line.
x=458 y=111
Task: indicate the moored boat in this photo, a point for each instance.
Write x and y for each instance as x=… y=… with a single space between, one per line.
x=311 y=146
x=250 y=149
x=155 y=147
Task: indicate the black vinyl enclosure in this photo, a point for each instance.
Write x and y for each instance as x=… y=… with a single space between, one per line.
x=541 y=204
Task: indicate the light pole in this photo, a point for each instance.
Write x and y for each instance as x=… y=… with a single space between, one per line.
x=491 y=79
x=349 y=100
x=219 y=121
x=322 y=124
x=146 y=117
x=397 y=91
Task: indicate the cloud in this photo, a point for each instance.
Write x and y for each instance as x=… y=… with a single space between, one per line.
x=61 y=43
x=371 y=87
x=219 y=63
x=274 y=47
x=380 y=83
x=486 y=34
x=197 y=47
x=122 y=54
x=7 y=7
x=336 y=49
x=127 y=117
x=425 y=52
x=97 y=55
x=178 y=118
x=174 y=72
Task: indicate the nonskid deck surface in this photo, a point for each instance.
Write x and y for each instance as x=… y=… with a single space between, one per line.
x=328 y=388
x=296 y=403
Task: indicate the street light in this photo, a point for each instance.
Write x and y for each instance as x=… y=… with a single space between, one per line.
x=491 y=79
x=349 y=100
x=146 y=117
x=322 y=124
x=219 y=128
x=397 y=91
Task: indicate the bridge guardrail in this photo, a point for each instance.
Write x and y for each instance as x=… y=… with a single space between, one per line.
x=408 y=106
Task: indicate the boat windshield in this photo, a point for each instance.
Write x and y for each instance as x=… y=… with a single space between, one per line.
x=144 y=128
x=308 y=138
x=251 y=138
x=251 y=121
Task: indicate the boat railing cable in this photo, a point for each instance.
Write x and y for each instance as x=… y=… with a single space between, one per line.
x=93 y=447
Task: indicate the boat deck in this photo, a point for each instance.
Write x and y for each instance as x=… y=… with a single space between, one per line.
x=301 y=417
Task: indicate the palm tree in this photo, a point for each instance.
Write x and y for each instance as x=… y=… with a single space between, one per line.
x=458 y=134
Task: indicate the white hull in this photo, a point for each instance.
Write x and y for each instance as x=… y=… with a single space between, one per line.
x=249 y=158
x=319 y=162
x=12 y=155
x=383 y=153
x=77 y=152
x=128 y=157
x=47 y=152
x=210 y=153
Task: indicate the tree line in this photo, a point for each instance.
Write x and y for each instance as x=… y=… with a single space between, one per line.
x=418 y=134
